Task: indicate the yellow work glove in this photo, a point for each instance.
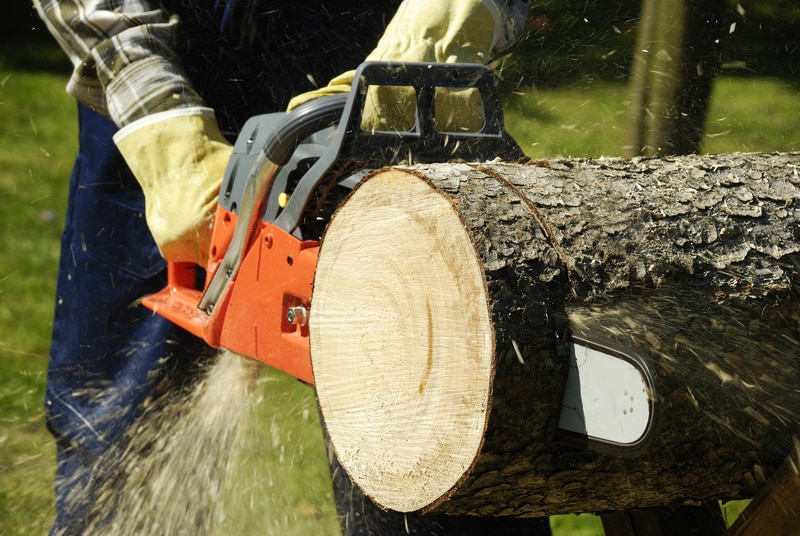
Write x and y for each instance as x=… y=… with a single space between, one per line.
x=179 y=158
x=458 y=31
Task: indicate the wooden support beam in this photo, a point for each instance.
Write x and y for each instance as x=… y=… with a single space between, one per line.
x=776 y=508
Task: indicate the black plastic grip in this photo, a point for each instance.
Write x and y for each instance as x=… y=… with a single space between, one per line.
x=302 y=122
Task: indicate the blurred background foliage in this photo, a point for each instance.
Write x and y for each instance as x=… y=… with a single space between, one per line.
x=580 y=41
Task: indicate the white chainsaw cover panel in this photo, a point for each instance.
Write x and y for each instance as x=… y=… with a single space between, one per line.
x=607 y=397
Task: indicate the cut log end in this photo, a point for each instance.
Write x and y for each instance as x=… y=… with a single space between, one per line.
x=402 y=344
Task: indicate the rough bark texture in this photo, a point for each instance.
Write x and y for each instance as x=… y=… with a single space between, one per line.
x=693 y=263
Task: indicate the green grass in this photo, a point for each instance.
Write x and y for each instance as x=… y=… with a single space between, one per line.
x=746 y=114
x=38 y=135
x=753 y=115
x=37 y=130
x=281 y=486
x=568 y=122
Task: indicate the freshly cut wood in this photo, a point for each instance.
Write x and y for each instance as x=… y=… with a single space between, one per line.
x=444 y=301
x=404 y=305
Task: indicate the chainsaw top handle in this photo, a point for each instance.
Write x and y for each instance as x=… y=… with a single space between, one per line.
x=423 y=143
x=294 y=128
x=301 y=123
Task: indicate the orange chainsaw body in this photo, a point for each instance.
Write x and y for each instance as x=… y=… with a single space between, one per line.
x=276 y=275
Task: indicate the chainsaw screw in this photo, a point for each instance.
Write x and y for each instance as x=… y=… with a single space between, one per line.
x=297 y=316
x=268 y=241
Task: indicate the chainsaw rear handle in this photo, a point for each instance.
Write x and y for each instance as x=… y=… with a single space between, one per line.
x=293 y=129
x=183 y=301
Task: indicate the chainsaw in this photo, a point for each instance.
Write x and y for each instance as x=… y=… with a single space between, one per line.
x=286 y=177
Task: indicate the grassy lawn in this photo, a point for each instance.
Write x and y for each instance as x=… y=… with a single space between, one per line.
x=38 y=144
x=746 y=114
x=281 y=486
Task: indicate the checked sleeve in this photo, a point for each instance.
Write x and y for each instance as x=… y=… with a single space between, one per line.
x=125 y=64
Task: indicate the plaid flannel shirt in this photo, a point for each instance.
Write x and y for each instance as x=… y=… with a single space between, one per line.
x=125 y=62
x=123 y=55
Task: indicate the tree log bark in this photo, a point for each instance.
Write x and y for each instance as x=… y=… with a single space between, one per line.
x=445 y=296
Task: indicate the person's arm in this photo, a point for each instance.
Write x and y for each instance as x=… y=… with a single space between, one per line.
x=454 y=31
x=123 y=55
x=126 y=67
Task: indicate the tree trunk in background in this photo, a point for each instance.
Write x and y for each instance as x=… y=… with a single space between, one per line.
x=675 y=60
x=676 y=57
x=441 y=392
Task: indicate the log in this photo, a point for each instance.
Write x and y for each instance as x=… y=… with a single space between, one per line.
x=446 y=297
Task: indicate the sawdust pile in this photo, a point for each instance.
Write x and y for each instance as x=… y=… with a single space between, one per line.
x=170 y=478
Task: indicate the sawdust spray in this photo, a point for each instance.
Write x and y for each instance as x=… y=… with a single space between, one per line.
x=170 y=477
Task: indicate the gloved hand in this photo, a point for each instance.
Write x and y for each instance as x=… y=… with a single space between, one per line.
x=459 y=31
x=179 y=158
